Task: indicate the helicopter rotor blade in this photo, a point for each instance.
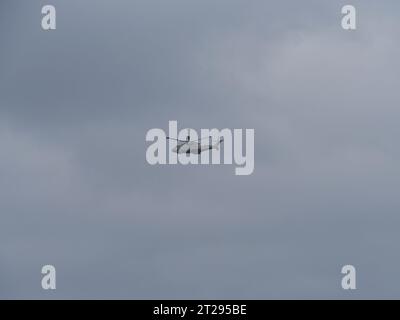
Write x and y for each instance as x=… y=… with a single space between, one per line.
x=169 y=138
x=202 y=139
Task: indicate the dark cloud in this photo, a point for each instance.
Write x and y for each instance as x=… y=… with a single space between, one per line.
x=76 y=191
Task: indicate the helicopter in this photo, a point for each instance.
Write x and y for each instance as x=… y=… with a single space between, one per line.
x=194 y=146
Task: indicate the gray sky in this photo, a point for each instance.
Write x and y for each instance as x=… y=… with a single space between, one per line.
x=77 y=193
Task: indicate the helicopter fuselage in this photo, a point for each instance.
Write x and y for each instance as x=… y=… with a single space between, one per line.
x=191 y=147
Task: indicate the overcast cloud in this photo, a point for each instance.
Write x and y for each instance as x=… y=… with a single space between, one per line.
x=77 y=193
